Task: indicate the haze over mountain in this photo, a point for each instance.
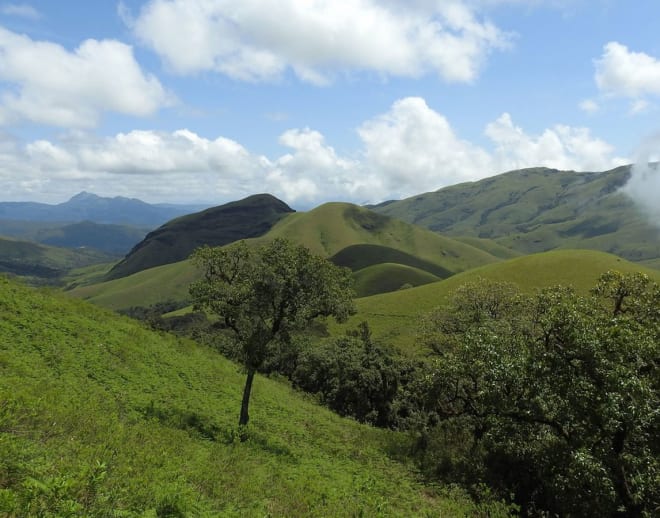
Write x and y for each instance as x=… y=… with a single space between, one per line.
x=86 y=206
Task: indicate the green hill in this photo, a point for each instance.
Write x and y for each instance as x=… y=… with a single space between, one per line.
x=42 y=263
x=327 y=230
x=174 y=241
x=394 y=316
x=332 y=227
x=386 y=277
x=539 y=209
x=101 y=417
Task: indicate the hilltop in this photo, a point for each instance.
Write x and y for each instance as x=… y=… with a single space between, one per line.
x=366 y=239
x=175 y=240
x=538 y=209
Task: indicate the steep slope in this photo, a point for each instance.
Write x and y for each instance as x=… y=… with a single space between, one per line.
x=90 y=207
x=38 y=261
x=175 y=240
x=394 y=316
x=100 y=417
x=534 y=210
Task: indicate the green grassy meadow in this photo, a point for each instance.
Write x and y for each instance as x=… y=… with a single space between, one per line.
x=101 y=417
x=394 y=317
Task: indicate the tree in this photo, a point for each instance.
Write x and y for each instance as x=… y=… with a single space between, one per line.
x=554 y=398
x=263 y=294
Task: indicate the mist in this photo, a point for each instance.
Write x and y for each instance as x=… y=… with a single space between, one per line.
x=644 y=184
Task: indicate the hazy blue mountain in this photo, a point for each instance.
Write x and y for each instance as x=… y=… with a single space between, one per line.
x=86 y=206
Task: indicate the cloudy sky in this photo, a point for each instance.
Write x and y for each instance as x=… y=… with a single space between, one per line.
x=316 y=100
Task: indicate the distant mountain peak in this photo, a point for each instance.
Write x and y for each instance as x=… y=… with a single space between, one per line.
x=84 y=196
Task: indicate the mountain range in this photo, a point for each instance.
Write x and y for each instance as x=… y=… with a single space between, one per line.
x=86 y=206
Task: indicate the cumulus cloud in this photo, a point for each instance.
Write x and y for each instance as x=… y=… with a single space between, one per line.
x=258 y=40
x=560 y=147
x=624 y=73
x=50 y=85
x=407 y=150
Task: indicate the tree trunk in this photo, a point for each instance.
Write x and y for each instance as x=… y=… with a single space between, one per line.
x=245 y=417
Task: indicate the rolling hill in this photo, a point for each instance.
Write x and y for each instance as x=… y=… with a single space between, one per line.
x=41 y=263
x=327 y=231
x=175 y=240
x=538 y=209
x=394 y=317
x=101 y=417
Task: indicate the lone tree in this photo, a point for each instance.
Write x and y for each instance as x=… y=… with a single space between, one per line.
x=262 y=294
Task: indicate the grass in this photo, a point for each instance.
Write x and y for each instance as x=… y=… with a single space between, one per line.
x=101 y=417
x=41 y=262
x=536 y=210
x=386 y=277
x=394 y=317
x=327 y=230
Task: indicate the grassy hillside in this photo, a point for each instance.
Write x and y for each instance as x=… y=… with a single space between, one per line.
x=42 y=263
x=535 y=210
x=175 y=240
x=394 y=316
x=332 y=227
x=386 y=277
x=327 y=230
x=160 y=284
x=100 y=417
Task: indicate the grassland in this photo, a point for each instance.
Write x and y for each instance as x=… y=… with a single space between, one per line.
x=386 y=277
x=100 y=417
x=42 y=263
x=538 y=209
x=328 y=230
x=394 y=317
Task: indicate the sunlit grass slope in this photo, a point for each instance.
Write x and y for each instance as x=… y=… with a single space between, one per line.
x=332 y=227
x=386 y=277
x=160 y=284
x=326 y=230
x=101 y=417
x=395 y=316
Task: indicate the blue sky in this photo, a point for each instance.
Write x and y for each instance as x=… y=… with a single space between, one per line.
x=318 y=100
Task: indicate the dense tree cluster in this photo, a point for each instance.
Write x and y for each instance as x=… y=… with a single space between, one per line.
x=552 y=398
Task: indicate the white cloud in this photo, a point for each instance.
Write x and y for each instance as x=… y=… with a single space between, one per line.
x=560 y=147
x=589 y=106
x=639 y=106
x=624 y=73
x=644 y=184
x=407 y=150
x=258 y=40
x=50 y=85
x=22 y=10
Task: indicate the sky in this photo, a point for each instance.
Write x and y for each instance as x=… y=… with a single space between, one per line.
x=208 y=101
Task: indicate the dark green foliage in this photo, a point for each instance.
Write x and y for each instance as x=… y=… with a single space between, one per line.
x=553 y=398
x=262 y=295
x=538 y=209
x=351 y=375
x=217 y=226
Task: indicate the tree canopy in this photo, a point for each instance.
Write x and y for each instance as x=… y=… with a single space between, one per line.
x=552 y=397
x=262 y=294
